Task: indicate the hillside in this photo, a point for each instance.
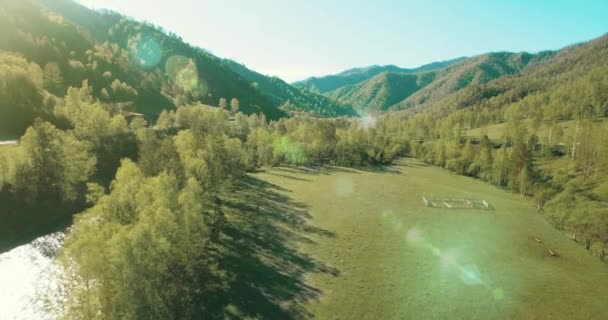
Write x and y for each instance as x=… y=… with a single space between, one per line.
x=558 y=87
x=391 y=91
x=131 y=66
x=382 y=91
x=357 y=75
x=474 y=71
x=289 y=98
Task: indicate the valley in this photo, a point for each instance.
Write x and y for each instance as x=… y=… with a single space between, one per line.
x=337 y=242
x=148 y=176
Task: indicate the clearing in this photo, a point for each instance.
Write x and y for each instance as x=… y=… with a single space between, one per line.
x=336 y=243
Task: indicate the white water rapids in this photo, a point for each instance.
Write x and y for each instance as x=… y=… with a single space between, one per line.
x=27 y=277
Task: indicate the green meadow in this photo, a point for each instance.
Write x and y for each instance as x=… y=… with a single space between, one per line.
x=336 y=243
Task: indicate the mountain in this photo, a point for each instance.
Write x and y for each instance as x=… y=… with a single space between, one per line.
x=382 y=91
x=289 y=98
x=474 y=71
x=130 y=65
x=396 y=91
x=357 y=75
x=564 y=83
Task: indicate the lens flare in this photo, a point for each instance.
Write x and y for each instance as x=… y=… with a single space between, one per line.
x=148 y=52
x=499 y=294
x=448 y=259
x=469 y=274
x=414 y=235
x=368 y=121
x=293 y=152
x=184 y=73
x=387 y=214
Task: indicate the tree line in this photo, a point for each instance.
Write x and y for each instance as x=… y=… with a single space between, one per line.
x=148 y=192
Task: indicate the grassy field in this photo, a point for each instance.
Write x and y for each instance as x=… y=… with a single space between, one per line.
x=339 y=243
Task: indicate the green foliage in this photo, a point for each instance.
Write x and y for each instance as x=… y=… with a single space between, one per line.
x=134 y=66
x=293 y=153
x=51 y=164
x=21 y=98
x=380 y=92
x=140 y=252
x=289 y=98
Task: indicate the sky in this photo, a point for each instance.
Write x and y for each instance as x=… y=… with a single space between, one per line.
x=298 y=39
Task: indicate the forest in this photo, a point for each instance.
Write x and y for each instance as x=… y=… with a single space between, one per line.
x=168 y=176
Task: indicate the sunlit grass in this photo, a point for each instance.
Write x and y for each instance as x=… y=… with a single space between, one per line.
x=397 y=259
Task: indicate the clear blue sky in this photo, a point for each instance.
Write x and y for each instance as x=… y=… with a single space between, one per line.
x=297 y=39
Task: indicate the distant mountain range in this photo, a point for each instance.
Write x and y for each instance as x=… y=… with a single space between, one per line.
x=358 y=75
x=392 y=88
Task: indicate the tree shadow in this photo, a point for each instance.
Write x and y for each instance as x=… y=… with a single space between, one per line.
x=288 y=176
x=257 y=247
x=388 y=169
x=329 y=169
x=413 y=164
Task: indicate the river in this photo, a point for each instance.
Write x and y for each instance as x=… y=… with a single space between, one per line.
x=26 y=278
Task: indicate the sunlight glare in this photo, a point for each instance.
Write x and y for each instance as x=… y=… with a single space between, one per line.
x=148 y=52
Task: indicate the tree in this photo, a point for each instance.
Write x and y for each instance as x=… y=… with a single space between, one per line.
x=467 y=158
x=106 y=135
x=140 y=251
x=223 y=104
x=524 y=180
x=589 y=149
x=52 y=164
x=166 y=120
x=540 y=196
x=234 y=105
x=259 y=147
x=53 y=80
x=502 y=167
x=21 y=97
x=3 y=172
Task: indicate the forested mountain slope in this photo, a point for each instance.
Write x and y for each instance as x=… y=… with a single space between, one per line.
x=358 y=75
x=289 y=98
x=132 y=66
x=383 y=90
x=396 y=91
x=562 y=85
x=474 y=71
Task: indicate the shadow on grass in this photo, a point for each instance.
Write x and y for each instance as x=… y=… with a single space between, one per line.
x=288 y=177
x=257 y=248
x=327 y=169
